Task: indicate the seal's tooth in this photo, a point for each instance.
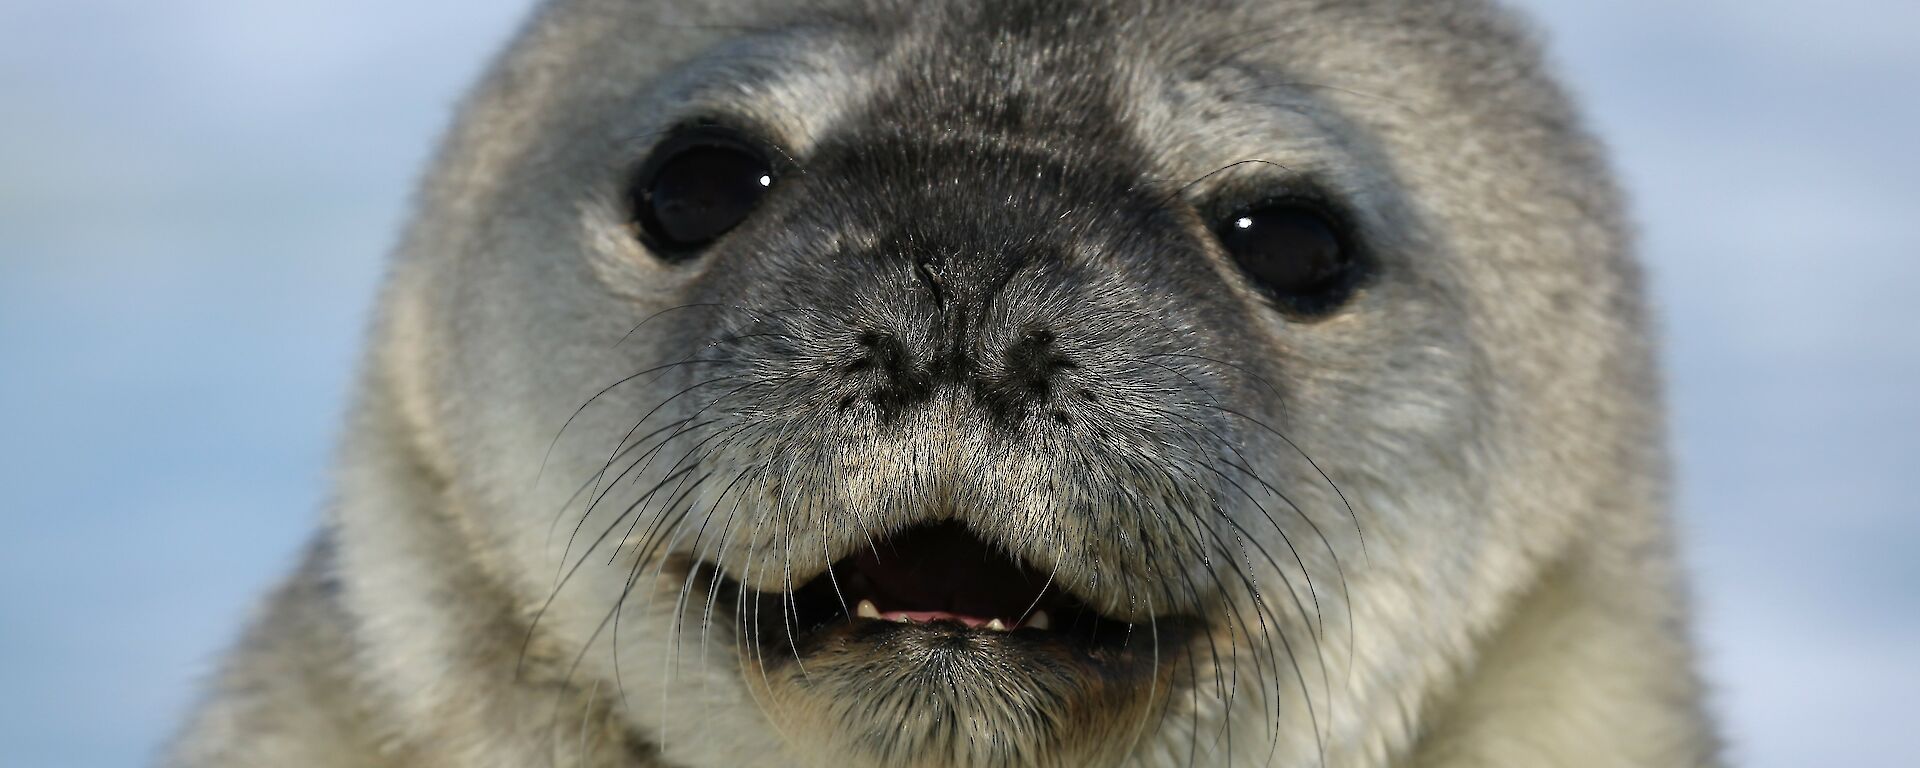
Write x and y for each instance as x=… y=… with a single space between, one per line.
x=866 y=610
x=997 y=625
x=1039 y=620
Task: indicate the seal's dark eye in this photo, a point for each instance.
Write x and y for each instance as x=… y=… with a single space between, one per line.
x=1296 y=252
x=699 y=183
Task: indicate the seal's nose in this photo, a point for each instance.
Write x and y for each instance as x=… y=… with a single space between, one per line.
x=1016 y=379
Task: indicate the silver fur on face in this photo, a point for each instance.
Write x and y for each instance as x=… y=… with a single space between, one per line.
x=583 y=483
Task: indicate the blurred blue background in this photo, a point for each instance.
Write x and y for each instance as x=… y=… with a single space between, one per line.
x=195 y=198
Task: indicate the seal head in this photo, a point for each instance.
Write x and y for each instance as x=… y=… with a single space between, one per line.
x=1034 y=382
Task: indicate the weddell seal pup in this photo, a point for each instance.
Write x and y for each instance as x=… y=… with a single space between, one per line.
x=1023 y=383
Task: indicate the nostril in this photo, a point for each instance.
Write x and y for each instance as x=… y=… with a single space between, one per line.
x=1032 y=359
x=884 y=350
x=898 y=381
x=1030 y=372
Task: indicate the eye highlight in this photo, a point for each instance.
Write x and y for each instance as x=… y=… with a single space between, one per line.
x=1299 y=254
x=700 y=183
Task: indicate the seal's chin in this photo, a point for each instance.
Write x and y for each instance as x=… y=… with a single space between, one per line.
x=936 y=580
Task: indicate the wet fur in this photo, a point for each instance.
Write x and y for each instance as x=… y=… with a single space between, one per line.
x=1427 y=530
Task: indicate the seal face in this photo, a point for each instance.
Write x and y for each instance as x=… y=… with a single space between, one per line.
x=973 y=465
x=1015 y=383
x=965 y=389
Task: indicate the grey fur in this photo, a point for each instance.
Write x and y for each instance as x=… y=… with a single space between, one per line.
x=1427 y=530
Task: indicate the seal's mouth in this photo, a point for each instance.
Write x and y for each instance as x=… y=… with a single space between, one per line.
x=937 y=579
x=933 y=641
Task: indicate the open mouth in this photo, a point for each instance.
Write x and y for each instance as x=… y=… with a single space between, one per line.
x=933 y=641
x=938 y=579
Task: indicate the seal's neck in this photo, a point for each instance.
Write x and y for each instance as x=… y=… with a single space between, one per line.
x=1592 y=669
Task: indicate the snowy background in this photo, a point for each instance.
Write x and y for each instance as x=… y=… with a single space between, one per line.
x=195 y=197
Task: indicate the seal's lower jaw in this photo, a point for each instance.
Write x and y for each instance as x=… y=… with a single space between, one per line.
x=933 y=648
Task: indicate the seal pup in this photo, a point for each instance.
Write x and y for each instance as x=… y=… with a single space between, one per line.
x=1020 y=383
